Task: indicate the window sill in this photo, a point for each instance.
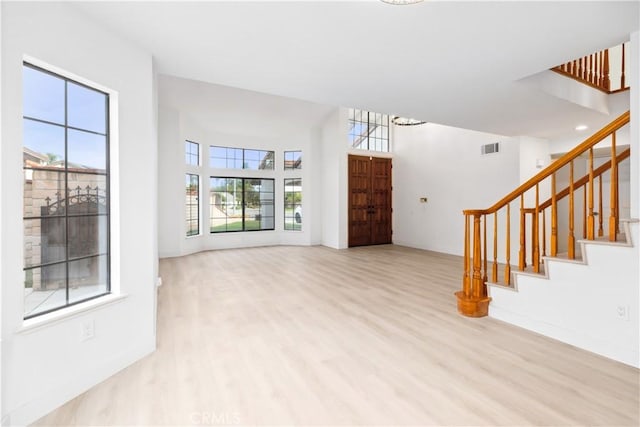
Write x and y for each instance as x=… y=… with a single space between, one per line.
x=55 y=317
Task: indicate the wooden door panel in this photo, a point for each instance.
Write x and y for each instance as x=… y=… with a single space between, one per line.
x=359 y=182
x=381 y=201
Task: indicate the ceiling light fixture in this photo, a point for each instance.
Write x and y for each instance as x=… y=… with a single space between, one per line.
x=404 y=121
x=581 y=127
x=401 y=2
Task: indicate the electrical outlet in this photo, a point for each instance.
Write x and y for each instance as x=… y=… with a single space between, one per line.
x=88 y=330
x=159 y=282
x=622 y=311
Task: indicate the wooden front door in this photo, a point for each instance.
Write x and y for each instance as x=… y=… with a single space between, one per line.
x=369 y=201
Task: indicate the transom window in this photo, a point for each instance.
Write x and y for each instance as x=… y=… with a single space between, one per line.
x=368 y=131
x=192 y=153
x=240 y=158
x=241 y=204
x=292 y=160
x=66 y=192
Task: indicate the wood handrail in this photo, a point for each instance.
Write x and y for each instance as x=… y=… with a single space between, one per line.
x=609 y=129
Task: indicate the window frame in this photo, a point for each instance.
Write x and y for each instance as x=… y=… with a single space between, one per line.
x=32 y=64
x=190 y=153
x=284 y=205
x=197 y=204
x=242 y=179
x=297 y=166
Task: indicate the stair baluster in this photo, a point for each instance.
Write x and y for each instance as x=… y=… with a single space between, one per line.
x=571 y=241
x=600 y=211
x=494 y=268
x=613 y=218
x=484 y=243
x=590 y=218
x=554 y=217
x=507 y=268
x=522 y=263
x=536 y=233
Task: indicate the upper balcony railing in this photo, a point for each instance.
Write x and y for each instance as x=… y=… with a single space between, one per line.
x=605 y=70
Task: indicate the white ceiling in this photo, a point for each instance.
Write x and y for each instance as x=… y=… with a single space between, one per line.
x=449 y=62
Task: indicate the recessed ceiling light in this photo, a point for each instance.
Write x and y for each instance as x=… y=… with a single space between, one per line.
x=582 y=127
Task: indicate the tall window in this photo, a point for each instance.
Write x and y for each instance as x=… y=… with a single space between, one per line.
x=192 y=153
x=192 y=204
x=66 y=192
x=368 y=131
x=293 y=204
x=241 y=204
x=240 y=158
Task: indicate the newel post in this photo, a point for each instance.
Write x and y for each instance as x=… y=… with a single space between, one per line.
x=473 y=300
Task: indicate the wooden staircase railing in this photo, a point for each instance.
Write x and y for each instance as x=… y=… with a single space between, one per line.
x=472 y=299
x=595 y=70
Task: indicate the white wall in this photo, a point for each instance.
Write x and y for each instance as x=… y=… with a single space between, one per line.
x=444 y=164
x=3 y=421
x=45 y=366
x=177 y=126
x=618 y=104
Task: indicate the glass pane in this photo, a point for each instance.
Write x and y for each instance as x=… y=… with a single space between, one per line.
x=266 y=185
x=225 y=201
x=219 y=152
x=251 y=155
x=192 y=204
x=87 y=235
x=266 y=160
x=192 y=151
x=87 y=151
x=44 y=289
x=87 y=193
x=218 y=163
x=87 y=278
x=44 y=241
x=43 y=95
x=43 y=145
x=86 y=108
x=251 y=164
x=43 y=193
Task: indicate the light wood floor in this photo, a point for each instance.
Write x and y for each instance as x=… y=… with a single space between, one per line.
x=299 y=335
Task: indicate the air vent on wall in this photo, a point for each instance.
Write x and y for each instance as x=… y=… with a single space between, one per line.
x=491 y=148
